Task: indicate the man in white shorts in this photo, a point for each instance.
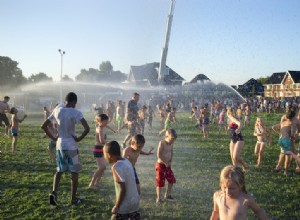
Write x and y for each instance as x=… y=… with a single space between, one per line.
x=67 y=158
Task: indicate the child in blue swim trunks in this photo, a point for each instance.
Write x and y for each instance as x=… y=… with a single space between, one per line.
x=15 y=121
x=284 y=130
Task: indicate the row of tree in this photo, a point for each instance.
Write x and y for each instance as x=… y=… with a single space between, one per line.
x=11 y=75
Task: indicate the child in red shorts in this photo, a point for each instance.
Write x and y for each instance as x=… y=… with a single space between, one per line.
x=163 y=165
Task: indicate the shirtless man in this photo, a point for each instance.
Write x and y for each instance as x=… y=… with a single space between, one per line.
x=163 y=165
x=133 y=152
x=4 y=108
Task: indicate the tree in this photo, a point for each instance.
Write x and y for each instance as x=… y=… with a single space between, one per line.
x=106 y=67
x=10 y=73
x=90 y=75
x=66 y=78
x=104 y=74
x=40 y=77
x=263 y=80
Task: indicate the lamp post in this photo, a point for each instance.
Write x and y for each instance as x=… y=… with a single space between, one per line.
x=62 y=53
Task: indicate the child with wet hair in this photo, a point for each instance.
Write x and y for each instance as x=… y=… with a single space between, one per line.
x=15 y=121
x=232 y=201
x=133 y=152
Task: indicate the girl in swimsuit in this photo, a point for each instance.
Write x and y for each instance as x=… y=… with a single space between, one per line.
x=237 y=139
x=261 y=132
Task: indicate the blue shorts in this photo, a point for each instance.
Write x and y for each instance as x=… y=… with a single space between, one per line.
x=285 y=144
x=68 y=160
x=52 y=144
x=14 y=132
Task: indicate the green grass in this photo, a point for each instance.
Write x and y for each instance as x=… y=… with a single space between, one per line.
x=26 y=176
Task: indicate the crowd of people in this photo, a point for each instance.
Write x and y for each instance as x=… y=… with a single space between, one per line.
x=231 y=201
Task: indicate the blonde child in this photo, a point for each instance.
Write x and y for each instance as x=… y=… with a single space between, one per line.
x=133 y=152
x=163 y=166
x=232 y=201
x=100 y=139
x=262 y=133
x=127 y=197
x=15 y=126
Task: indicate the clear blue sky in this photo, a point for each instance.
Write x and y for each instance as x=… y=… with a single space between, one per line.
x=229 y=41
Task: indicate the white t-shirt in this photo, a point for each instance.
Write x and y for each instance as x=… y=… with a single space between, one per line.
x=123 y=172
x=66 y=119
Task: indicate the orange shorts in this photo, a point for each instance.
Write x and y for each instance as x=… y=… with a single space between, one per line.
x=164 y=173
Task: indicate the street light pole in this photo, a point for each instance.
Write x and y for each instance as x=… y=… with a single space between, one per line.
x=62 y=53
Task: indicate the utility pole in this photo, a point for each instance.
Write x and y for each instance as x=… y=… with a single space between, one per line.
x=62 y=53
x=162 y=67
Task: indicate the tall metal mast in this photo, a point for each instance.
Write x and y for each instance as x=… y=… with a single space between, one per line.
x=164 y=52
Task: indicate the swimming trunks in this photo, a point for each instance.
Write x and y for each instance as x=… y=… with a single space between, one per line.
x=98 y=151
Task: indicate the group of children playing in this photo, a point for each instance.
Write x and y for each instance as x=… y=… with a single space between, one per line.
x=231 y=202
x=126 y=180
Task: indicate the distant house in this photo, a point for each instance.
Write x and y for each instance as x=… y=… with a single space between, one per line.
x=147 y=75
x=200 y=78
x=251 y=87
x=283 y=84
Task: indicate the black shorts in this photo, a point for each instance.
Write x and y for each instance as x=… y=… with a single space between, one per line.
x=98 y=151
x=4 y=118
x=234 y=136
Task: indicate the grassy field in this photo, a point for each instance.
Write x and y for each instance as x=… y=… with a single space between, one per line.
x=26 y=176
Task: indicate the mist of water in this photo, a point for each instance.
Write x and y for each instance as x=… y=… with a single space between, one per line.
x=34 y=96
